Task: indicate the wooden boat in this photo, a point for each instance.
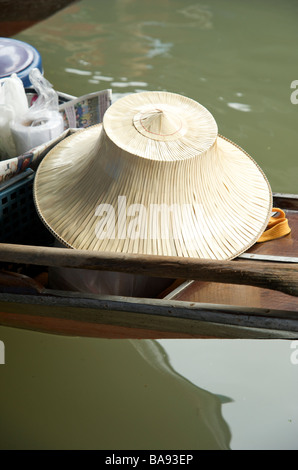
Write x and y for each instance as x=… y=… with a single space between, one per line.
x=18 y=15
x=254 y=296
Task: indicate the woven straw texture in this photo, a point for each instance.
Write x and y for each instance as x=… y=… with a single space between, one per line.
x=155 y=178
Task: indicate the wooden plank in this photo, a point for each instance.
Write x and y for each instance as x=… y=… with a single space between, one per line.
x=172 y=317
x=285 y=201
x=18 y=283
x=229 y=294
x=70 y=327
x=275 y=258
x=276 y=276
x=75 y=328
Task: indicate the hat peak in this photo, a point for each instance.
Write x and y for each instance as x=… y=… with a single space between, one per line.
x=159 y=123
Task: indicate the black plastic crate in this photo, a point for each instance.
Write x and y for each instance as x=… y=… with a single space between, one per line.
x=19 y=221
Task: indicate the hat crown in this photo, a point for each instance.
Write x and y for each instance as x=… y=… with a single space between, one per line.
x=160 y=126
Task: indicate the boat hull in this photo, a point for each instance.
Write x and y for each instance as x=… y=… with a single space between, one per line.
x=194 y=309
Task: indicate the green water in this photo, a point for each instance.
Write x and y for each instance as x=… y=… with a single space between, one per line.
x=72 y=393
x=238 y=59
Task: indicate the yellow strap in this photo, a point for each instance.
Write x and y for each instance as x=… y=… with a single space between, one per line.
x=277 y=227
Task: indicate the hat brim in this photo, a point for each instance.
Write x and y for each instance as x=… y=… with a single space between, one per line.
x=232 y=200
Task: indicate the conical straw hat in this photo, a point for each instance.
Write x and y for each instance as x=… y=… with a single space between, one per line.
x=154 y=178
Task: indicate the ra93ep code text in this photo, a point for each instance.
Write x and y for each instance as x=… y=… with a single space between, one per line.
x=151 y=459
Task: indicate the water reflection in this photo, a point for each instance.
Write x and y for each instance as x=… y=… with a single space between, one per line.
x=67 y=393
x=260 y=376
x=209 y=428
x=240 y=107
x=200 y=15
x=93 y=32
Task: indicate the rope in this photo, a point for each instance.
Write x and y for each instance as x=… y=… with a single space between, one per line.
x=277 y=227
